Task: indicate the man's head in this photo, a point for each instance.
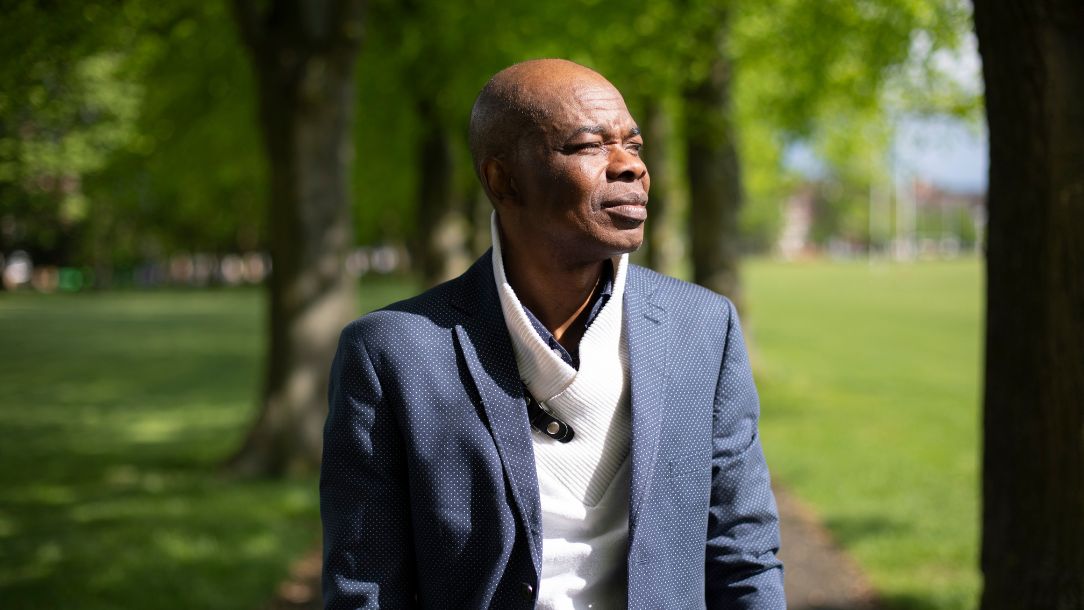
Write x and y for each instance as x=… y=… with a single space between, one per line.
x=559 y=156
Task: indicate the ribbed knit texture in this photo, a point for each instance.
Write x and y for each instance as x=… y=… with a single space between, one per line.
x=593 y=400
x=583 y=487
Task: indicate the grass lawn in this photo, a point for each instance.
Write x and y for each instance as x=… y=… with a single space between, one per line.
x=115 y=410
x=869 y=380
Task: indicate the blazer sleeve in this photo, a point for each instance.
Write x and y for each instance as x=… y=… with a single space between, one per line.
x=741 y=569
x=368 y=547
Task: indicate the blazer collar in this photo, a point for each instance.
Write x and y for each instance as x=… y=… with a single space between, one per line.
x=646 y=331
x=483 y=340
x=496 y=378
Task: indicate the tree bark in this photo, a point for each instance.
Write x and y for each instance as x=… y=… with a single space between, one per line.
x=1033 y=459
x=304 y=55
x=663 y=250
x=714 y=173
x=442 y=224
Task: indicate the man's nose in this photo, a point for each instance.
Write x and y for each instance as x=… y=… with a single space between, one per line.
x=625 y=165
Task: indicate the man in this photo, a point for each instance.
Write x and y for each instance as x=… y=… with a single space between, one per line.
x=554 y=428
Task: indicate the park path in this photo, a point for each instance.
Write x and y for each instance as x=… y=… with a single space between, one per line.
x=819 y=575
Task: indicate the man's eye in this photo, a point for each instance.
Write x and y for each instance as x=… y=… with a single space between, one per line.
x=583 y=147
x=635 y=147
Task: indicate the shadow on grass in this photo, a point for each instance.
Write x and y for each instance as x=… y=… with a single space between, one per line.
x=115 y=411
x=914 y=602
x=852 y=530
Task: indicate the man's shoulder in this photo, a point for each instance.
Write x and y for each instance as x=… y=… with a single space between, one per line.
x=430 y=309
x=676 y=295
x=436 y=310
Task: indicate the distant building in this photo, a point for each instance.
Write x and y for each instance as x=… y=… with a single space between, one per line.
x=922 y=220
x=794 y=235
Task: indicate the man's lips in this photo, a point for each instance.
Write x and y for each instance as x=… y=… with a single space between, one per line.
x=632 y=206
x=629 y=199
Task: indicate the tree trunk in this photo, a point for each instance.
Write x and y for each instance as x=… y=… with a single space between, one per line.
x=442 y=224
x=1033 y=460
x=304 y=55
x=663 y=250
x=715 y=189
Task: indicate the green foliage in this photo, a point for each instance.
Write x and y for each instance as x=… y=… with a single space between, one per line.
x=69 y=131
x=805 y=61
x=195 y=178
x=128 y=130
x=65 y=106
x=836 y=75
x=192 y=178
x=869 y=380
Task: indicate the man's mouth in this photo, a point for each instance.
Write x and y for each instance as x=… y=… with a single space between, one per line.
x=632 y=207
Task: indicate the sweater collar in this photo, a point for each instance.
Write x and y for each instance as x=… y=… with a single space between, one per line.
x=545 y=372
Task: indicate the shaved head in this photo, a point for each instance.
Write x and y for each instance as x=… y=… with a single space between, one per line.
x=519 y=101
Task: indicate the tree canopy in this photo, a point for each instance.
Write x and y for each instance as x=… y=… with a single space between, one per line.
x=128 y=131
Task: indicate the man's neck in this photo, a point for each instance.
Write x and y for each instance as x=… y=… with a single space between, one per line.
x=557 y=294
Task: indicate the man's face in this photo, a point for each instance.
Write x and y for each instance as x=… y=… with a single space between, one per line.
x=581 y=182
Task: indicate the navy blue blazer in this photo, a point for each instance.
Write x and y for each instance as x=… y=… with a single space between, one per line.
x=428 y=489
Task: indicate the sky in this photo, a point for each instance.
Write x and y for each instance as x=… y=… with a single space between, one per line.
x=945 y=151
x=948 y=152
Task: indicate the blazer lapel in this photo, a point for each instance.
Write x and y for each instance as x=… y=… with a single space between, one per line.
x=487 y=349
x=646 y=328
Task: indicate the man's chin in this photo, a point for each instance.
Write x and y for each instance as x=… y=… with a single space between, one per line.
x=627 y=242
x=602 y=245
x=633 y=247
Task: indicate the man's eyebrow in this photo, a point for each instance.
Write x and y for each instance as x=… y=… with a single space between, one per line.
x=599 y=130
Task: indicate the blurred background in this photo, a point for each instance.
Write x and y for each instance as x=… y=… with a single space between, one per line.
x=195 y=196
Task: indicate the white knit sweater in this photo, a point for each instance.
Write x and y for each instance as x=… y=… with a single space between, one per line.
x=584 y=484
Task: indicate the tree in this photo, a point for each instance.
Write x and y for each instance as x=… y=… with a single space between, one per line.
x=440 y=243
x=124 y=127
x=66 y=104
x=441 y=223
x=836 y=62
x=714 y=170
x=304 y=55
x=662 y=251
x=1033 y=458
x=184 y=184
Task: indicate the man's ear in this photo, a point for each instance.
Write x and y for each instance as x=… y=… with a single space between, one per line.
x=498 y=181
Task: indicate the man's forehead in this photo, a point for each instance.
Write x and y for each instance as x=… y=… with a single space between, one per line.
x=551 y=98
x=554 y=83
x=590 y=105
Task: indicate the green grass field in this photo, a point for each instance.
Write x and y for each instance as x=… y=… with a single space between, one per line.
x=869 y=381
x=115 y=410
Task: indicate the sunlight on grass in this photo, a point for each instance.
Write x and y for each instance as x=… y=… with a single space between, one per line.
x=869 y=379
x=116 y=410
